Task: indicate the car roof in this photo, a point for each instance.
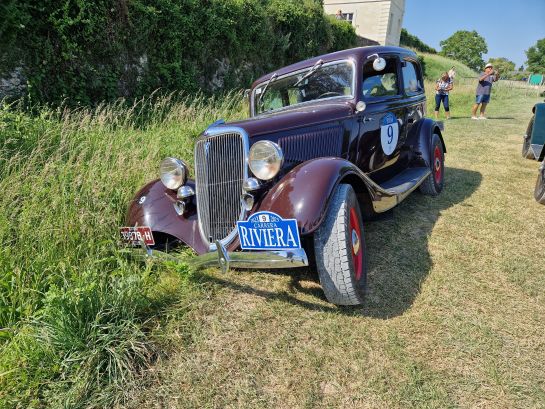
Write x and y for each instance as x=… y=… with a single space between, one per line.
x=358 y=53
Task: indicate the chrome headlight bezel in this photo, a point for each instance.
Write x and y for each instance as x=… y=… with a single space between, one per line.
x=173 y=172
x=265 y=159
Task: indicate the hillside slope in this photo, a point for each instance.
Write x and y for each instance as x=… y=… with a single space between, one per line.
x=437 y=64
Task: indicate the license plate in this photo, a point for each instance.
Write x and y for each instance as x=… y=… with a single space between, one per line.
x=268 y=231
x=137 y=235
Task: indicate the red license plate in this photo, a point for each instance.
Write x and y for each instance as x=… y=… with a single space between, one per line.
x=137 y=235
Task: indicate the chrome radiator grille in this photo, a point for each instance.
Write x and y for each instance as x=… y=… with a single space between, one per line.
x=220 y=163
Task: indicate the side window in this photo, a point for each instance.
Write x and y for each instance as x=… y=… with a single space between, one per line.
x=411 y=79
x=380 y=83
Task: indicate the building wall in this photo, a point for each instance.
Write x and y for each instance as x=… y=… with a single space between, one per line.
x=378 y=20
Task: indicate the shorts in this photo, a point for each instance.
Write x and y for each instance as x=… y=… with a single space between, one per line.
x=482 y=99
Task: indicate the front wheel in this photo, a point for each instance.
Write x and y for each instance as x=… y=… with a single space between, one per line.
x=434 y=183
x=539 y=192
x=339 y=247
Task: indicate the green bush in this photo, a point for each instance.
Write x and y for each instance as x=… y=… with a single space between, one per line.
x=87 y=51
x=409 y=40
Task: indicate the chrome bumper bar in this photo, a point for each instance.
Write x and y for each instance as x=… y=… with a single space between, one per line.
x=240 y=259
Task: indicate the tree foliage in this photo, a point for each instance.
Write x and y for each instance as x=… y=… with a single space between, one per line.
x=86 y=51
x=536 y=57
x=466 y=47
x=505 y=66
x=409 y=40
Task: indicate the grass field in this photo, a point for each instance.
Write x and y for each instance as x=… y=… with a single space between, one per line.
x=455 y=314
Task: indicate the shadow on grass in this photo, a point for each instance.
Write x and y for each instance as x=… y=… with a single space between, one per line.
x=397 y=247
x=399 y=259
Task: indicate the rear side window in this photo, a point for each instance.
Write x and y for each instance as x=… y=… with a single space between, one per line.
x=412 y=79
x=382 y=83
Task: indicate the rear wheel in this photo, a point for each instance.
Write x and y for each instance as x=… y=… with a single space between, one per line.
x=339 y=248
x=434 y=183
x=526 y=149
x=539 y=192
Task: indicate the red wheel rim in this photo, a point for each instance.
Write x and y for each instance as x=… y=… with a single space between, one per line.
x=437 y=168
x=355 y=243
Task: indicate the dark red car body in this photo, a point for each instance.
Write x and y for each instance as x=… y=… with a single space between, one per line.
x=325 y=143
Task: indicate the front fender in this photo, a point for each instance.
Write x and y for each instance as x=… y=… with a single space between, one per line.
x=156 y=210
x=304 y=192
x=539 y=105
x=537 y=138
x=420 y=141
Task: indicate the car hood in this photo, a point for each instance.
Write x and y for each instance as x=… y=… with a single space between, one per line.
x=311 y=114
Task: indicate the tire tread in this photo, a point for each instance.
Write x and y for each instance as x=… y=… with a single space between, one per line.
x=332 y=251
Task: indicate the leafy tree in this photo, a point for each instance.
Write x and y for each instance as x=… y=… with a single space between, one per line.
x=536 y=57
x=504 y=66
x=465 y=46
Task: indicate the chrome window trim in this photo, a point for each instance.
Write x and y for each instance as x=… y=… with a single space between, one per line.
x=211 y=132
x=399 y=74
x=350 y=61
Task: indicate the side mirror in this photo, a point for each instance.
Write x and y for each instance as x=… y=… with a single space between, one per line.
x=379 y=64
x=246 y=94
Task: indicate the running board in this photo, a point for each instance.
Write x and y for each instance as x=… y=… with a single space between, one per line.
x=393 y=191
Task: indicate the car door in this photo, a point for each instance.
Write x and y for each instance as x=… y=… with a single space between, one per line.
x=382 y=125
x=413 y=90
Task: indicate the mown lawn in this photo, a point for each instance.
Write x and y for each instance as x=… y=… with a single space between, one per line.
x=455 y=315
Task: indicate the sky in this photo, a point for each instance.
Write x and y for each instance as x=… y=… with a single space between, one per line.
x=509 y=26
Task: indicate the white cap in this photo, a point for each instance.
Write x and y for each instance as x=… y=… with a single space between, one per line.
x=488 y=65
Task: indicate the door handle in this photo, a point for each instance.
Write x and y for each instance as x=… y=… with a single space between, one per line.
x=367 y=119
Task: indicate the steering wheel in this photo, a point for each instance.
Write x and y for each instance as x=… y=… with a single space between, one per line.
x=329 y=94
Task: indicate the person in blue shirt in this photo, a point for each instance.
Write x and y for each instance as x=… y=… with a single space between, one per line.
x=484 y=88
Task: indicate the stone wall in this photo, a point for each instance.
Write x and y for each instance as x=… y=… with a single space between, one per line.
x=13 y=84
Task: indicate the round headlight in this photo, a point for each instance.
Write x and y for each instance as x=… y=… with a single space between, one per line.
x=173 y=173
x=265 y=160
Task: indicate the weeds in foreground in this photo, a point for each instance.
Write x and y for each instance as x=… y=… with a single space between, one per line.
x=75 y=315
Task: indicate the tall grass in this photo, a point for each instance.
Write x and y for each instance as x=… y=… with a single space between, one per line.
x=74 y=313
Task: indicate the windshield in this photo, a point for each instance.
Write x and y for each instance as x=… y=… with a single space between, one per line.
x=330 y=80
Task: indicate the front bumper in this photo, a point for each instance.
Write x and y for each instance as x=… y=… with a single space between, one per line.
x=240 y=259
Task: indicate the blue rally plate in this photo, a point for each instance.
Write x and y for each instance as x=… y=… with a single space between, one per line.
x=268 y=231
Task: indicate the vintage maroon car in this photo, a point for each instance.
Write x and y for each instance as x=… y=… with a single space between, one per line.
x=331 y=141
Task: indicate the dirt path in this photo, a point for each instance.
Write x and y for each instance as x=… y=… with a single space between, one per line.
x=455 y=314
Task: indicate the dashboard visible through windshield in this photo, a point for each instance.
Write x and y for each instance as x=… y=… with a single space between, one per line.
x=330 y=80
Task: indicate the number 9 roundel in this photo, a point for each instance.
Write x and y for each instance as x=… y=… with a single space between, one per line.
x=389 y=133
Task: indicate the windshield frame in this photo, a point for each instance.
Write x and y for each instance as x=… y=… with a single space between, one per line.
x=303 y=71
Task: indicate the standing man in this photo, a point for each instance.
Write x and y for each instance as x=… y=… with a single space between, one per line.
x=483 y=90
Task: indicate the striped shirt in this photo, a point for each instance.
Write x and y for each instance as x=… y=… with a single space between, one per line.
x=443 y=85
